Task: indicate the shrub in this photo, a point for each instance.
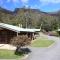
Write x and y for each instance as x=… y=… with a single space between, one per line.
x=22 y=51
x=53 y=33
x=19 y=42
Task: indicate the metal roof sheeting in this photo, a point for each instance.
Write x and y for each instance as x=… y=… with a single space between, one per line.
x=16 y=28
x=58 y=29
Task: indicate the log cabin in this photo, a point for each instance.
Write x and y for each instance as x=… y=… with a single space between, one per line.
x=7 y=32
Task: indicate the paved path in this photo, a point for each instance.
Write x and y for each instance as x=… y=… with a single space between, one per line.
x=7 y=46
x=51 y=53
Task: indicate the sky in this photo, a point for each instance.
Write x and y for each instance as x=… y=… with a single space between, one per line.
x=43 y=5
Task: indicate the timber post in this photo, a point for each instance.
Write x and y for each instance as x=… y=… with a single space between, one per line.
x=17 y=34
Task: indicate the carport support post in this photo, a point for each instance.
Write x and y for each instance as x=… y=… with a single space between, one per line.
x=33 y=36
x=17 y=34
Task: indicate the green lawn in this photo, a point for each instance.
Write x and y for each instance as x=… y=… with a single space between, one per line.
x=8 y=54
x=42 y=43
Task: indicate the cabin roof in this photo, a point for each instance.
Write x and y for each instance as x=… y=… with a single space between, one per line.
x=16 y=28
x=58 y=29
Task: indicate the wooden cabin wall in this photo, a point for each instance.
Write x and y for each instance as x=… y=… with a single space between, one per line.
x=6 y=35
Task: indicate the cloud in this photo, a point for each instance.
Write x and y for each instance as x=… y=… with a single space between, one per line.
x=14 y=1
x=24 y=1
x=50 y=1
x=35 y=7
x=8 y=1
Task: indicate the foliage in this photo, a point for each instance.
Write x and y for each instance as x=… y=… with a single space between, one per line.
x=58 y=32
x=20 y=40
x=22 y=51
x=30 y=18
x=53 y=33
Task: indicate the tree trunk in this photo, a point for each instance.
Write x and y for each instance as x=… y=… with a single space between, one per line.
x=18 y=50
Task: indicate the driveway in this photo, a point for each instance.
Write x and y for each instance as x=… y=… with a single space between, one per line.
x=50 y=53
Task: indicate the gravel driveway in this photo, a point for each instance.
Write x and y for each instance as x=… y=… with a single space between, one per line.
x=51 y=53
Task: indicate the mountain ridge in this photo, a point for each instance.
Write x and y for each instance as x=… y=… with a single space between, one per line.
x=33 y=17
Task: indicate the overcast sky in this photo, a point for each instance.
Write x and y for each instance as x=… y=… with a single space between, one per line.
x=43 y=5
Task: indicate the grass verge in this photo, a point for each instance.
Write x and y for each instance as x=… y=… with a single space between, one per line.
x=42 y=43
x=8 y=54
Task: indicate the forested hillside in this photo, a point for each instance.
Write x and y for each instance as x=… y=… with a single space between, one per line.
x=30 y=18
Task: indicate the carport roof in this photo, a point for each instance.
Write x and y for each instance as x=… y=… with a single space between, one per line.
x=16 y=28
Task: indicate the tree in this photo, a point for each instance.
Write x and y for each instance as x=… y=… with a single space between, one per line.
x=20 y=41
